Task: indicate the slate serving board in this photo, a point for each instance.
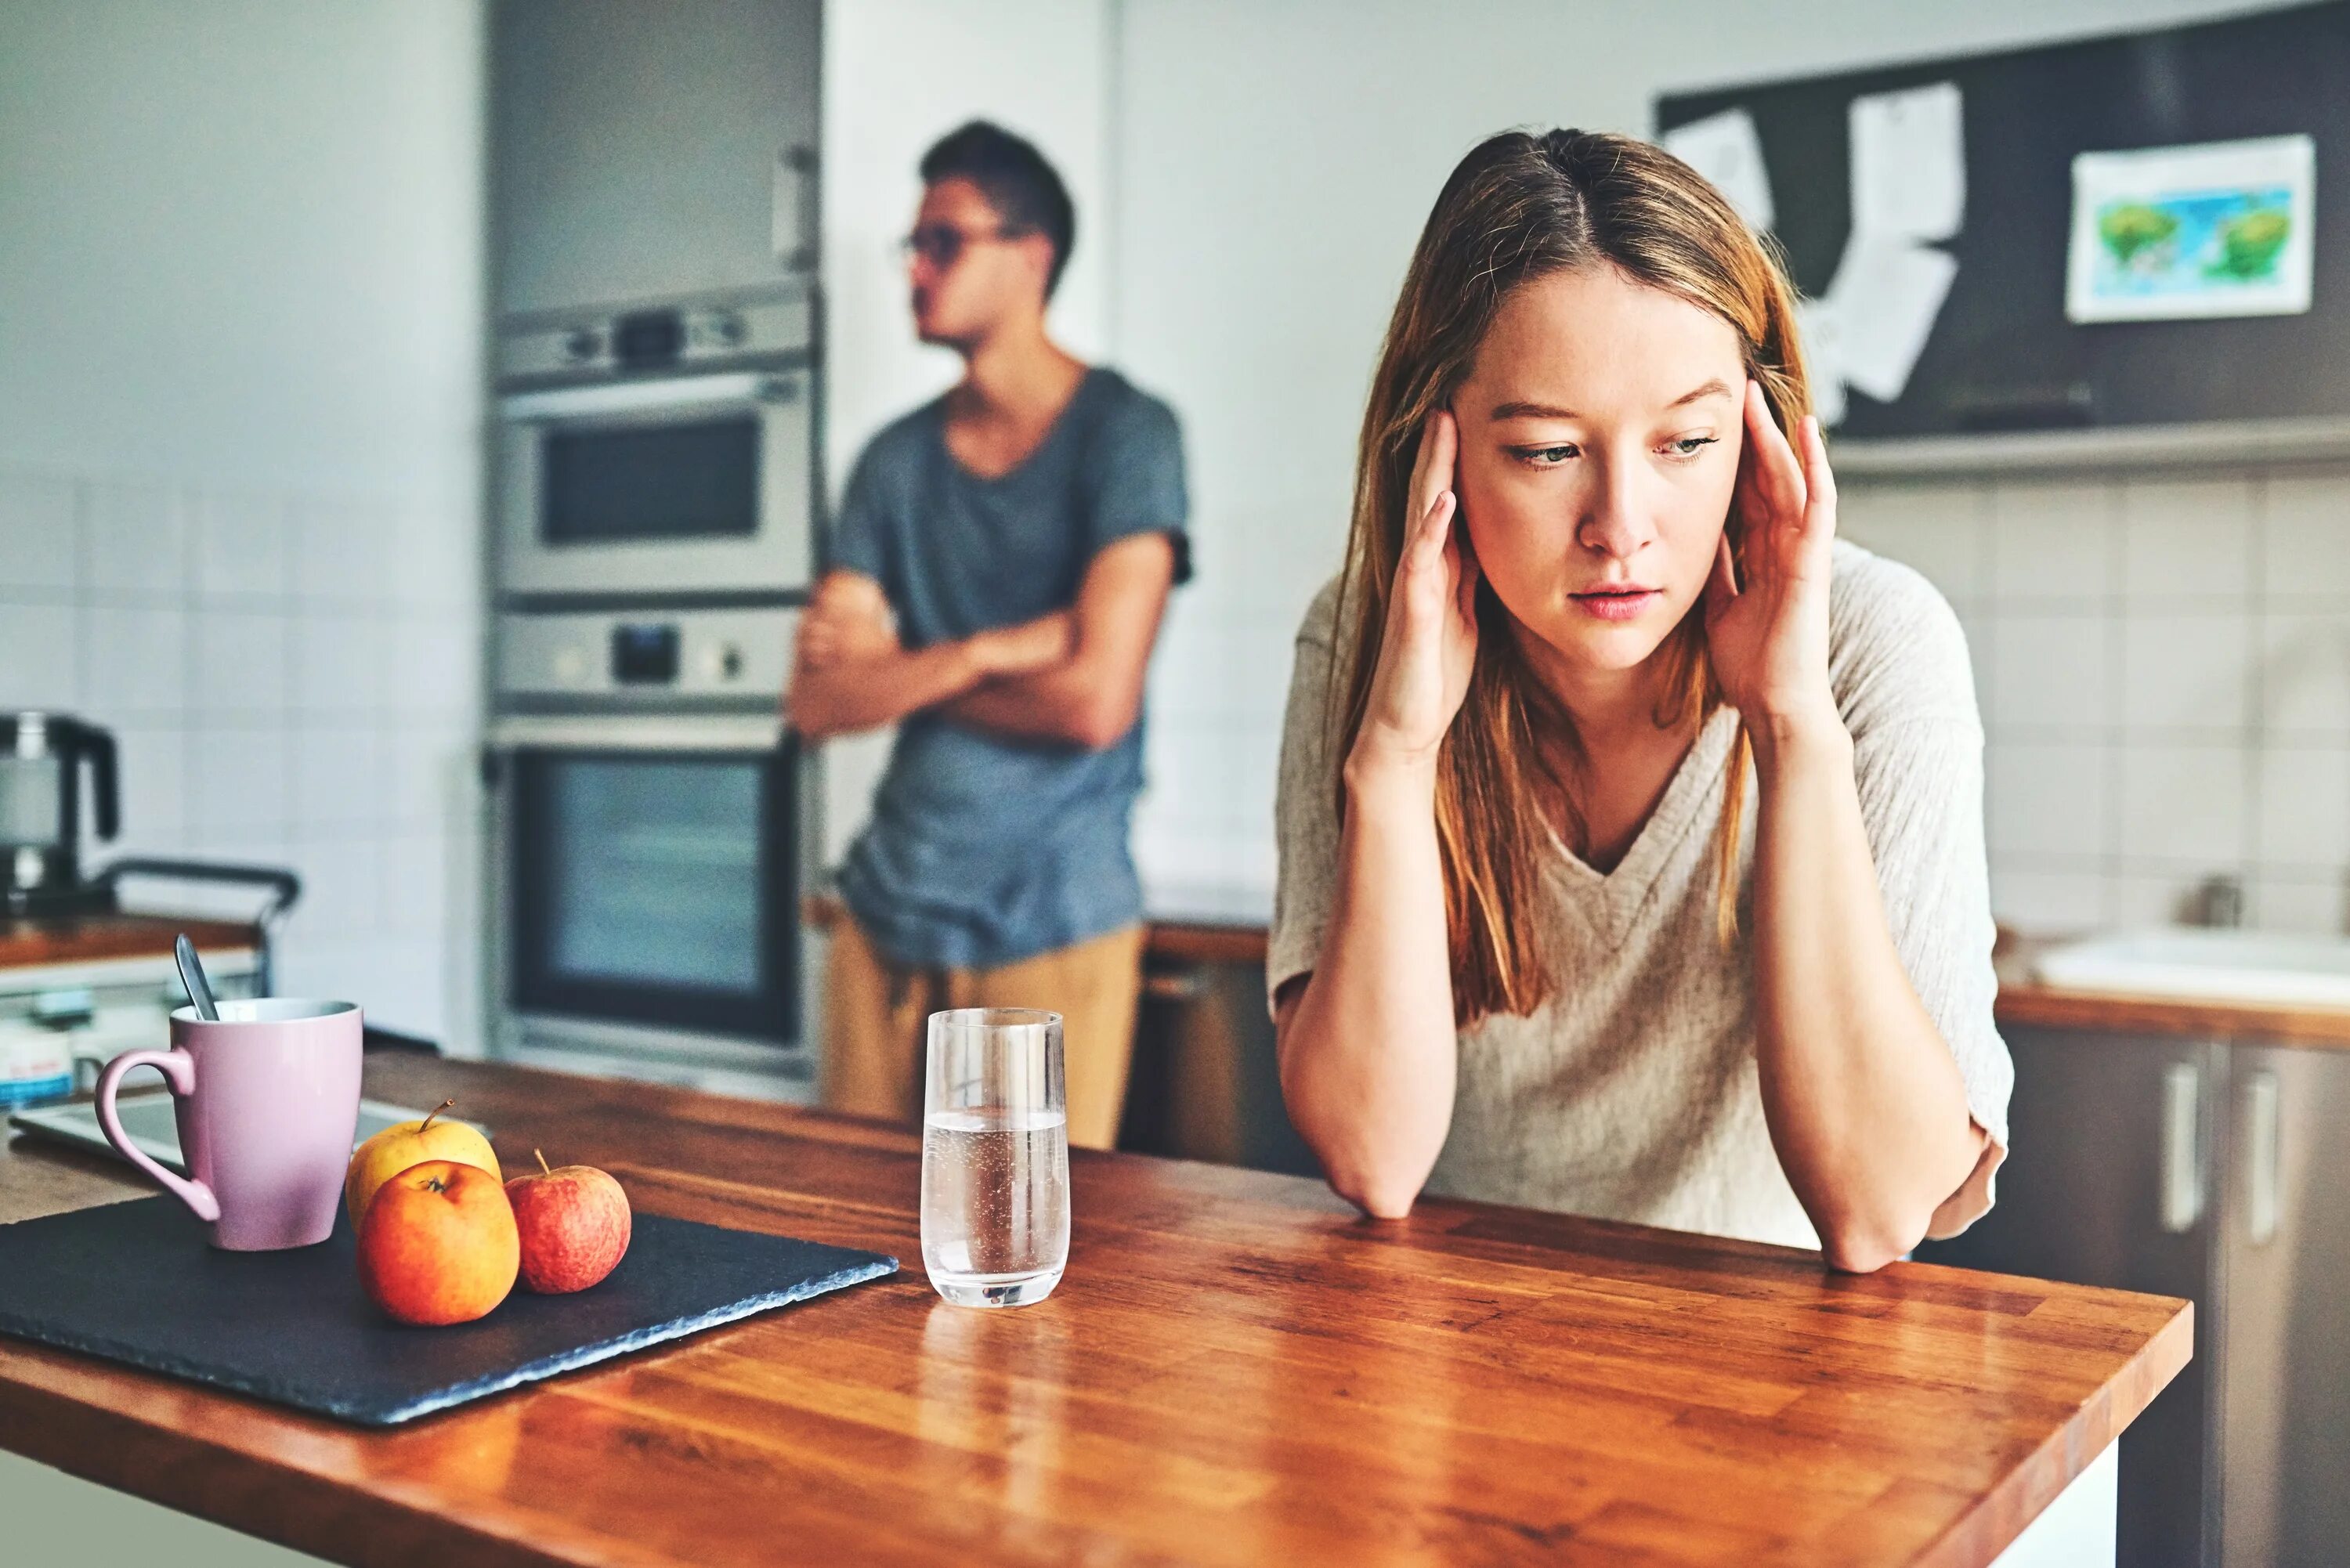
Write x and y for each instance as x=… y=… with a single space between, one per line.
x=137 y=1283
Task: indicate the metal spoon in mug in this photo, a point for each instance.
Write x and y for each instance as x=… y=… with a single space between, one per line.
x=192 y=975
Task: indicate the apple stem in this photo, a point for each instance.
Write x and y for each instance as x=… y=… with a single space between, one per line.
x=542 y=1162
x=433 y=1111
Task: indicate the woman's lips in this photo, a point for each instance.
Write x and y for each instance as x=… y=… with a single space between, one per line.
x=1617 y=604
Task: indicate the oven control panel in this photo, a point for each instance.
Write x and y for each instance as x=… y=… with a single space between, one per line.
x=658 y=339
x=646 y=654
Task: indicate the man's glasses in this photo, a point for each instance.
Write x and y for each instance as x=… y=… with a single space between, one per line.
x=942 y=245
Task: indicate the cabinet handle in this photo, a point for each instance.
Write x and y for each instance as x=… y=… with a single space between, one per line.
x=2261 y=1108
x=791 y=222
x=2182 y=1171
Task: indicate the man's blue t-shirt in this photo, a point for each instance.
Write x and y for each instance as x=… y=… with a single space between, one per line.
x=984 y=849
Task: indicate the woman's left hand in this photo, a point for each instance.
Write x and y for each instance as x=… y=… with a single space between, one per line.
x=1768 y=635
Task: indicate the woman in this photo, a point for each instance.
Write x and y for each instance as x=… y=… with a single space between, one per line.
x=1529 y=944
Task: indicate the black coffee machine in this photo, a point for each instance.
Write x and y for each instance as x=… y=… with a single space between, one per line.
x=41 y=761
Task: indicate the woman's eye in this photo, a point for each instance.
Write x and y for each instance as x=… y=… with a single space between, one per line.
x=1547 y=456
x=1690 y=446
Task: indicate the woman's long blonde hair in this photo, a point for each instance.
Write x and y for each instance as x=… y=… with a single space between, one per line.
x=1521 y=207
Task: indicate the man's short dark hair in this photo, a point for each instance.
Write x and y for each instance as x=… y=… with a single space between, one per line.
x=1025 y=193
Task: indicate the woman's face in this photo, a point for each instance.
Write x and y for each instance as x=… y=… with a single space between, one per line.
x=1599 y=442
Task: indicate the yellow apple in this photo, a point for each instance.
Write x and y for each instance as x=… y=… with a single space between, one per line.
x=405 y=1144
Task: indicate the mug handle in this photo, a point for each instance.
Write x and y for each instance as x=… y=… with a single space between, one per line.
x=179 y=1070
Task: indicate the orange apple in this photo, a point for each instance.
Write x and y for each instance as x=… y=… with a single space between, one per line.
x=404 y=1144
x=573 y=1223
x=439 y=1244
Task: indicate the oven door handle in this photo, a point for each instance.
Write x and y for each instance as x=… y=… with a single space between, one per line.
x=747 y=734
x=640 y=397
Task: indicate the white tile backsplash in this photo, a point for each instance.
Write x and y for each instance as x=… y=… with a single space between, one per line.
x=2053 y=544
x=2306 y=536
x=342 y=886
x=2207 y=664
x=435 y=662
x=2045 y=798
x=153 y=763
x=39 y=527
x=413 y=877
x=240 y=780
x=339 y=662
x=2049 y=671
x=2184 y=805
x=2190 y=672
x=1940 y=529
x=2293 y=901
x=2303 y=806
x=134 y=663
x=242 y=663
x=2139 y=898
x=293 y=680
x=2305 y=674
x=2031 y=894
x=2187 y=539
x=135 y=541
x=39 y=661
x=344 y=551
x=340 y=779
x=243 y=548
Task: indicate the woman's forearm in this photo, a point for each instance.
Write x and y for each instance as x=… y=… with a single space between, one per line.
x=1864 y=1103
x=1367 y=1052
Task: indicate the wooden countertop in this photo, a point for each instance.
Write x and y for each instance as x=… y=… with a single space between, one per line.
x=84 y=939
x=1237 y=1370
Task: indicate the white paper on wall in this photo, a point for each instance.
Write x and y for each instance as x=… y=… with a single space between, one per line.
x=1885 y=297
x=1908 y=163
x=1821 y=332
x=1725 y=148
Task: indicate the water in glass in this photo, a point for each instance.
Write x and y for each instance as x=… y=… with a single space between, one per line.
x=995 y=1158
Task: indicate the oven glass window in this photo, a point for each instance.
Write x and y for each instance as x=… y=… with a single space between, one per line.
x=694 y=480
x=656 y=889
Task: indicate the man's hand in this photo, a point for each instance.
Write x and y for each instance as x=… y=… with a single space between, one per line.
x=850 y=671
x=1088 y=693
x=848 y=618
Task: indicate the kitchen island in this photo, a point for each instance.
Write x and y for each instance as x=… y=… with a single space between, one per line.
x=1237 y=1369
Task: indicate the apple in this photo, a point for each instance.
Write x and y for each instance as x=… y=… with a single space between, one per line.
x=439 y=1244
x=573 y=1223
x=404 y=1144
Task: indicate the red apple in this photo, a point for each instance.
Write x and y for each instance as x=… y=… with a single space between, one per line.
x=573 y=1223
x=439 y=1243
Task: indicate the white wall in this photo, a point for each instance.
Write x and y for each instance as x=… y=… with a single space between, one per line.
x=897 y=74
x=1274 y=165
x=240 y=319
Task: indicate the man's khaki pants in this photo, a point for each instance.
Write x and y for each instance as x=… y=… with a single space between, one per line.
x=877 y=1013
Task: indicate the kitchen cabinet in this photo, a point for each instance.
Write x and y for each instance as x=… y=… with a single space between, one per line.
x=2109 y=1183
x=2211 y=1170
x=2285 y=1324
x=649 y=151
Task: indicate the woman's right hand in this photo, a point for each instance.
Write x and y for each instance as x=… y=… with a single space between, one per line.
x=1429 y=642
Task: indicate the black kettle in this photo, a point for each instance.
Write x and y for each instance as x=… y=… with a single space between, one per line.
x=41 y=757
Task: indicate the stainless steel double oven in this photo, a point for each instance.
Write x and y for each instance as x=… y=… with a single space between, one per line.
x=655 y=493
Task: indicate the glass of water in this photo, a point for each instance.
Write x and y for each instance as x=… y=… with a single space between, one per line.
x=996 y=1157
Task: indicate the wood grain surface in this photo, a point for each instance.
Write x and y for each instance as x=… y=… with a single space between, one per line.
x=82 y=939
x=1237 y=1370
x=2026 y=1002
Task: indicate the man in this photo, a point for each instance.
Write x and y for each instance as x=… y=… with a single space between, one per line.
x=998 y=568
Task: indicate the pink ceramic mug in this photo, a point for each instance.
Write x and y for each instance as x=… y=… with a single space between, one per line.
x=267 y=1100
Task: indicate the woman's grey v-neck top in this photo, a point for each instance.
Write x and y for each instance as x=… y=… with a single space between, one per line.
x=1633 y=1094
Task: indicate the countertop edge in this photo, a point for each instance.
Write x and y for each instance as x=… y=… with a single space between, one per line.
x=268 y=1500
x=2005 y=1512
